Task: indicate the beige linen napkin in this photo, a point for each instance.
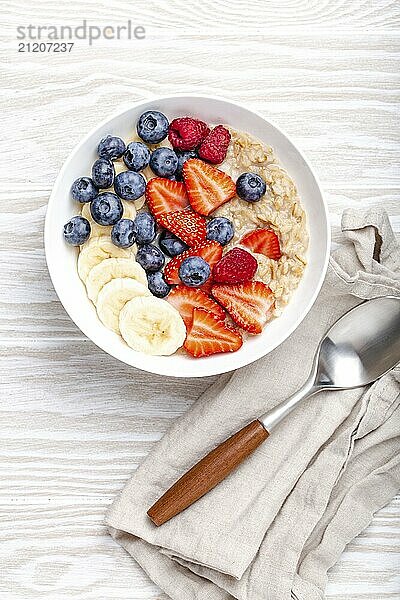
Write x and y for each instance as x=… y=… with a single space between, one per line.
x=275 y=526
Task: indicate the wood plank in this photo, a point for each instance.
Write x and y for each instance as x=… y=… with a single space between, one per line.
x=72 y=425
x=241 y=15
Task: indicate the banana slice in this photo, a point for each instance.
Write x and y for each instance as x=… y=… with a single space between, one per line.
x=111 y=268
x=113 y=296
x=139 y=203
x=119 y=166
x=98 y=249
x=152 y=326
x=98 y=230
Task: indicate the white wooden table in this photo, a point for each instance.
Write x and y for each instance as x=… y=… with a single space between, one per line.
x=74 y=422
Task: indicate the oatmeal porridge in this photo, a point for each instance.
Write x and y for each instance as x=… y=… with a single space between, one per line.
x=190 y=236
x=280 y=209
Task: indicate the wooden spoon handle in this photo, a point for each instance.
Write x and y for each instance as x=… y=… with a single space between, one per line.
x=208 y=472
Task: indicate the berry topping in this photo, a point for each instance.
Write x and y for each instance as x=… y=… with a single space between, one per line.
x=165 y=196
x=123 y=234
x=157 y=284
x=194 y=271
x=152 y=126
x=187 y=133
x=84 y=190
x=183 y=156
x=215 y=146
x=186 y=224
x=129 y=185
x=186 y=299
x=207 y=187
x=220 y=229
x=150 y=258
x=263 y=241
x=211 y=252
x=136 y=156
x=250 y=187
x=164 y=162
x=106 y=208
x=171 y=245
x=144 y=227
x=249 y=304
x=103 y=173
x=77 y=231
x=111 y=147
x=236 y=266
x=209 y=335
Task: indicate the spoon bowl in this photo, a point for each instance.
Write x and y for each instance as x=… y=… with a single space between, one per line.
x=361 y=346
x=358 y=349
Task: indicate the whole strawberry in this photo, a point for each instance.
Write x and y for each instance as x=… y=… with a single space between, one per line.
x=215 y=146
x=187 y=133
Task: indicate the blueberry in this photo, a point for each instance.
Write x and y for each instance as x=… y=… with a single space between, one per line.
x=111 y=147
x=220 y=229
x=152 y=126
x=194 y=271
x=145 y=228
x=171 y=245
x=77 y=231
x=122 y=233
x=250 y=187
x=106 y=208
x=84 y=190
x=137 y=156
x=150 y=258
x=182 y=158
x=129 y=185
x=103 y=173
x=157 y=284
x=164 y=162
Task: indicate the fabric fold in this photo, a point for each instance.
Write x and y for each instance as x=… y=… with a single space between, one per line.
x=274 y=527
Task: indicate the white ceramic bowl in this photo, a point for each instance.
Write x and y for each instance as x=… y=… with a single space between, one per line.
x=61 y=258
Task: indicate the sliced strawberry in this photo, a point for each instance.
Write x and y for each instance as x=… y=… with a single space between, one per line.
x=209 y=335
x=207 y=187
x=211 y=252
x=186 y=224
x=207 y=286
x=236 y=266
x=263 y=241
x=186 y=299
x=165 y=196
x=249 y=304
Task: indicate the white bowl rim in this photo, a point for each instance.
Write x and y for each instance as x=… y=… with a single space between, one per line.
x=189 y=372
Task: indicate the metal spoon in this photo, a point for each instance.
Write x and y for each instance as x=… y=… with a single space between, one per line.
x=362 y=346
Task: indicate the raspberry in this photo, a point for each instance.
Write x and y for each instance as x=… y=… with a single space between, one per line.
x=215 y=146
x=187 y=133
x=236 y=266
